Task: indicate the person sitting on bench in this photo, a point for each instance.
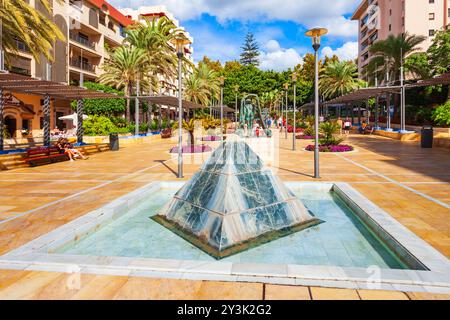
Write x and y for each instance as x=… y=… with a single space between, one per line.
x=362 y=128
x=71 y=152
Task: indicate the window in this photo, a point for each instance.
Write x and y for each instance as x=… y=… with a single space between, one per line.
x=431 y=32
x=431 y=1
x=390 y=27
x=390 y=12
x=431 y=16
x=102 y=18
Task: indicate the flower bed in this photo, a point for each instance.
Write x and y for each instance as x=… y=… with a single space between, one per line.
x=192 y=149
x=302 y=137
x=331 y=148
x=297 y=129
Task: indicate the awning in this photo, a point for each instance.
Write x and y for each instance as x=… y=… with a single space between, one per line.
x=226 y=109
x=363 y=94
x=169 y=101
x=439 y=80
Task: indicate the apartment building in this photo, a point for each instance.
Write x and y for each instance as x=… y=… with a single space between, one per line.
x=89 y=26
x=380 y=18
x=167 y=86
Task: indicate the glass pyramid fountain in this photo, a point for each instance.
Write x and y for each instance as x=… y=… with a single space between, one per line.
x=233 y=203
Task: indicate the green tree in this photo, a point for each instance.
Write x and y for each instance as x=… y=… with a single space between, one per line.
x=339 y=78
x=125 y=66
x=215 y=66
x=250 y=51
x=21 y=21
x=439 y=53
x=154 y=37
x=418 y=64
x=104 y=107
x=388 y=54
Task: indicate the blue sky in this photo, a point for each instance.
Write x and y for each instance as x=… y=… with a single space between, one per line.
x=219 y=27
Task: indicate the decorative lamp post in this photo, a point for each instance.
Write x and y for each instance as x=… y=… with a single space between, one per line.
x=236 y=90
x=315 y=34
x=180 y=41
x=294 y=80
x=286 y=87
x=222 y=82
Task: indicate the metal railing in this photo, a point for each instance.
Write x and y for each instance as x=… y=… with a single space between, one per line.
x=82 y=65
x=85 y=42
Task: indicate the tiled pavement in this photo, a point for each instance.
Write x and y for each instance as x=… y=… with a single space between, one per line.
x=411 y=184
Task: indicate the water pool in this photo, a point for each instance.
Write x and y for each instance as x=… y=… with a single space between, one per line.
x=343 y=240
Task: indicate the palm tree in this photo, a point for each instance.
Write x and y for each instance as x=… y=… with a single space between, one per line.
x=125 y=66
x=202 y=85
x=339 y=78
x=388 y=54
x=154 y=37
x=20 y=21
x=210 y=80
x=195 y=90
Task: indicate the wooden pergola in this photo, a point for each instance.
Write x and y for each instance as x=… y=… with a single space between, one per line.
x=367 y=93
x=10 y=82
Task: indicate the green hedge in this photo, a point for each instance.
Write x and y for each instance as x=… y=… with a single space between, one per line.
x=103 y=107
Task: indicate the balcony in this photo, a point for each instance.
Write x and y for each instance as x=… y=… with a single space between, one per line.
x=86 y=66
x=21 y=71
x=81 y=40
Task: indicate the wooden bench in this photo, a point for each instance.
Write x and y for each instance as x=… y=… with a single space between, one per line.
x=44 y=155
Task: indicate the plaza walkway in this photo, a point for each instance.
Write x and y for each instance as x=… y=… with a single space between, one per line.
x=411 y=184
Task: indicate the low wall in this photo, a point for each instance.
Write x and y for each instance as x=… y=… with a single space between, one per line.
x=398 y=136
x=439 y=140
x=15 y=161
x=123 y=140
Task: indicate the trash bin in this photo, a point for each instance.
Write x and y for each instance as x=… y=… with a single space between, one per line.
x=114 y=142
x=426 y=140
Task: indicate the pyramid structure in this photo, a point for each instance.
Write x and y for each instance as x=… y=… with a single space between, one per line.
x=234 y=203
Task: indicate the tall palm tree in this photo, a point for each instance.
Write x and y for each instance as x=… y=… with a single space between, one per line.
x=195 y=90
x=339 y=78
x=154 y=37
x=210 y=81
x=21 y=21
x=202 y=85
x=125 y=66
x=388 y=54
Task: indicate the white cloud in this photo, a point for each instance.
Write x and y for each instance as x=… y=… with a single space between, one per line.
x=349 y=51
x=277 y=58
x=340 y=26
x=306 y=12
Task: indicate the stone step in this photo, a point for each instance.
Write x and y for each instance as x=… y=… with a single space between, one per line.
x=9 y=162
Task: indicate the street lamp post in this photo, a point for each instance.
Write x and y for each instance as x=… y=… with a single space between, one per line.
x=236 y=90
x=294 y=127
x=286 y=87
x=180 y=41
x=222 y=82
x=315 y=34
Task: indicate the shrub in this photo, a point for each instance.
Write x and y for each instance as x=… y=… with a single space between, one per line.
x=441 y=115
x=98 y=126
x=328 y=129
